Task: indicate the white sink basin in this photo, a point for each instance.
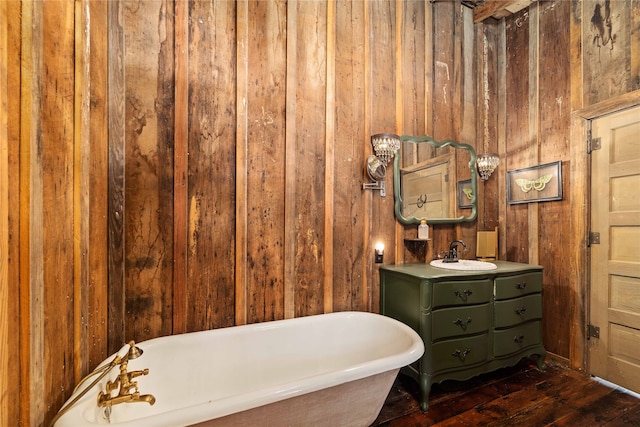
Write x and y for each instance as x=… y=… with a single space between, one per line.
x=464 y=265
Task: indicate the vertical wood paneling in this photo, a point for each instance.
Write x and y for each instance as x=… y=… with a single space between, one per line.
x=429 y=67
x=31 y=264
x=95 y=343
x=457 y=70
x=533 y=157
x=12 y=391
x=464 y=117
x=211 y=194
x=7 y=322
x=468 y=77
x=329 y=178
x=501 y=132
x=148 y=154
x=310 y=155
x=164 y=156
x=381 y=108
x=516 y=88
x=401 y=36
x=554 y=134
x=264 y=171
x=116 y=170
x=490 y=125
x=348 y=224
x=290 y=161
x=410 y=87
x=368 y=195
x=180 y=161
x=25 y=73
x=413 y=49
x=444 y=108
x=81 y=177
x=57 y=151
x=577 y=266
x=429 y=95
x=242 y=148
x=444 y=83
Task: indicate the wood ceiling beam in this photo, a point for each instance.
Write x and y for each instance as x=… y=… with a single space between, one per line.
x=498 y=9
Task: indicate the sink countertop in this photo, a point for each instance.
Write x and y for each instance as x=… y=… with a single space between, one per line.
x=427 y=271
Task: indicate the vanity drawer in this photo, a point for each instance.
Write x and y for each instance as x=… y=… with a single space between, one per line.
x=518 y=310
x=459 y=352
x=464 y=292
x=512 y=340
x=519 y=285
x=453 y=322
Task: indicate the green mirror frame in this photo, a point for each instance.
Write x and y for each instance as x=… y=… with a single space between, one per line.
x=397 y=191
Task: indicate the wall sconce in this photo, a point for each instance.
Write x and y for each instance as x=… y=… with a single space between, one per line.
x=486 y=164
x=385 y=146
x=379 y=251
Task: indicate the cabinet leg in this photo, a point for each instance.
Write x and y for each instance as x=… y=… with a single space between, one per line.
x=540 y=361
x=425 y=388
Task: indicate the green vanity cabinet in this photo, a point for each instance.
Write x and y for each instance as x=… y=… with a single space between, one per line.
x=471 y=322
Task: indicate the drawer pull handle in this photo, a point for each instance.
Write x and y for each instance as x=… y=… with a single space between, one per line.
x=520 y=311
x=461 y=354
x=521 y=286
x=519 y=340
x=464 y=294
x=462 y=323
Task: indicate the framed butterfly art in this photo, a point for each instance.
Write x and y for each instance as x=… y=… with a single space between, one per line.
x=535 y=184
x=465 y=194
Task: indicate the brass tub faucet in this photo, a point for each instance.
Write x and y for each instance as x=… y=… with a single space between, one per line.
x=126 y=388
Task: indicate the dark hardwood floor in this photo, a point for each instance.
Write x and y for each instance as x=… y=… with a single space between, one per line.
x=522 y=396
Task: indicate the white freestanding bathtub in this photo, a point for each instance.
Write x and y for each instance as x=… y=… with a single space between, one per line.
x=325 y=370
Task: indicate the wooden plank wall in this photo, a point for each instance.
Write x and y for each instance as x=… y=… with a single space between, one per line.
x=537 y=104
x=542 y=79
x=267 y=212
x=201 y=166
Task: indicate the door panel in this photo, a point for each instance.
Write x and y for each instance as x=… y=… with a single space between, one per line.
x=615 y=261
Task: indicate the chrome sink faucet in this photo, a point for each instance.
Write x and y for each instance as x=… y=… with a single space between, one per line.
x=452 y=255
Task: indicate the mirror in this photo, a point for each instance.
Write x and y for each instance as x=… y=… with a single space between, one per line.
x=426 y=177
x=376 y=169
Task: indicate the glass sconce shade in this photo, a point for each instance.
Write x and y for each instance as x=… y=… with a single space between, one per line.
x=385 y=146
x=486 y=164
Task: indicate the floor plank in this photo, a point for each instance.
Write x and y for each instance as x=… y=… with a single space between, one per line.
x=520 y=395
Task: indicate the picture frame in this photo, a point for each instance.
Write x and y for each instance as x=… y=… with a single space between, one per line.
x=541 y=183
x=465 y=194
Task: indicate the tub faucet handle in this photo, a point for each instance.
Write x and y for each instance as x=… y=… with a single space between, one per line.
x=131 y=375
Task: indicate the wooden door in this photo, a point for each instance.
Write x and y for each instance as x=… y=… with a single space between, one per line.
x=615 y=260
x=426 y=191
